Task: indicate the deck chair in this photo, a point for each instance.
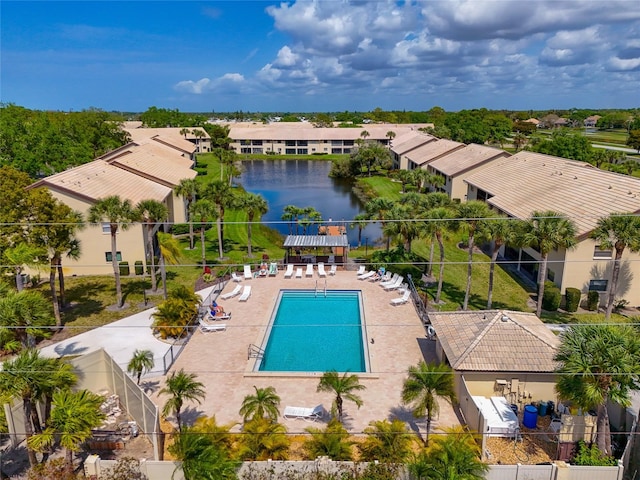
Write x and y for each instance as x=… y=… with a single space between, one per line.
x=235 y=277
x=401 y=300
x=273 y=269
x=212 y=327
x=309 y=271
x=299 y=272
x=321 y=272
x=247 y=272
x=246 y=293
x=304 y=413
x=391 y=281
x=333 y=269
x=232 y=293
x=396 y=284
x=367 y=275
x=361 y=270
x=289 y=271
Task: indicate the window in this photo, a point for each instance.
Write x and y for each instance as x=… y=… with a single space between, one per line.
x=336 y=150
x=257 y=150
x=245 y=142
x=303 y=151
x=290 y=151
x=290 y=143
x=336 y=143
x=598 y=285
x=106 y=227
x=245 y=150
x=108 y=257
x=346 y=150
x=303 y=143
x=551 y=275
x=348 y=143
x=602 y=253
x=256 y=142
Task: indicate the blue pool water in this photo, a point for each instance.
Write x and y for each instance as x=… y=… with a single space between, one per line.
x=314 y=333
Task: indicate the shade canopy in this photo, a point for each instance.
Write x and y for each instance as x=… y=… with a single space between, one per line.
x=317 y=241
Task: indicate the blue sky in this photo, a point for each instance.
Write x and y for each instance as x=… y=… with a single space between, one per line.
x=323 y=55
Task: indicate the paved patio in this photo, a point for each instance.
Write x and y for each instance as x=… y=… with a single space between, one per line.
x=219 y=359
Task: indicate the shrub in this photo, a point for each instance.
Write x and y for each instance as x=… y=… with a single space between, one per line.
x=592 y=456
x=124 y=268
x=572 y=299
x=138 y=267
x=552 y=297
x=593 y=300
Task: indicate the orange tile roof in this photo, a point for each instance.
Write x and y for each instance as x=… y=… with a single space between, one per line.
x=465 y=158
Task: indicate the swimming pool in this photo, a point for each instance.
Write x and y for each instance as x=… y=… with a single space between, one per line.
x=311 y=332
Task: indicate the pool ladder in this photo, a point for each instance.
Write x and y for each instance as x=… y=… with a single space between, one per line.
x=254 y=351
x=325 y=288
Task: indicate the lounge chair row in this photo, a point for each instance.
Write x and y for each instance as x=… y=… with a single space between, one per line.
x=246 y=293
x=289 y=272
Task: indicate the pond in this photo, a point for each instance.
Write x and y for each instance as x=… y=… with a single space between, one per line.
x=305 y=183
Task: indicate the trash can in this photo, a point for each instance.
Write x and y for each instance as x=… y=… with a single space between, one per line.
x=530 y=416
x=551 y=407
x=514 y=407
x=542 y=409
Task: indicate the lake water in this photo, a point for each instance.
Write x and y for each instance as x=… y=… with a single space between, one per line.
x=305 y=183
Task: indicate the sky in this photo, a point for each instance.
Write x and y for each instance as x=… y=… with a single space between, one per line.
x=320 y=56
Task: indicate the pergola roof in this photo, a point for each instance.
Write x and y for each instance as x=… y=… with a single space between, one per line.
x=316 y=241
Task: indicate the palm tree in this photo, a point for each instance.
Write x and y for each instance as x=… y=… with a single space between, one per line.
x=390 y=135
x=455 y=455
x=253 y=204
x=118 y=213
x=344 y=388
x=379 y=209
x=403 y=225
x=263 y=439
x=200 y=457
x=198 y=134
x=170 y=253
x=23 y=254
x=332 y=441
x=142 y=361
x=386 y=441
x=60 y=376
x=181 y=386
x=25 y=315
x=150 y=212
x=185 y=132
x=360 y=221
x=473 y=214
x=73 y=417
x=264 y=404
x=500 y=231
x=599 y=363
x=547 y=231
x=619 y=231
x=404 y=177
x=424 y=383
x=187 y=189
x=203 y=210
x=364 y=134
x=220 y=194
x=438 y=221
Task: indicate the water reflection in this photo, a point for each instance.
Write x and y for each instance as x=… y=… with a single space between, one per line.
x=305 y=183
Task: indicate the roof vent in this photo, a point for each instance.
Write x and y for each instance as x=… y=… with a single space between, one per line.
x=575 y=177
x=610 y=187
x=504 y=318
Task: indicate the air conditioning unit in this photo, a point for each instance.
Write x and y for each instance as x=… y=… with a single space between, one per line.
x=92 y=466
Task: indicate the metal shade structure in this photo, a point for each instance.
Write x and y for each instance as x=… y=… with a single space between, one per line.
x=317 y=248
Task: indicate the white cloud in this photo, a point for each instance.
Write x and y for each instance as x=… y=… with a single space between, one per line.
x=190 y=86
x=620 y=64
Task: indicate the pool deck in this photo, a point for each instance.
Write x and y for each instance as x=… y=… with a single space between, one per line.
x=219 y=359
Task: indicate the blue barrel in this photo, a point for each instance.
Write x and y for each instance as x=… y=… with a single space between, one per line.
x=542 y=409
x=530 y=416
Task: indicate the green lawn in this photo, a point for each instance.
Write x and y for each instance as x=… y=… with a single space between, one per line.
x=378 y=186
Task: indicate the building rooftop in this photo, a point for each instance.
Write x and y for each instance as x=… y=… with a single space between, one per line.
x=432 y=150
x=495 y=340
x=466 y=158
x=170 y=136
x=528 y=182
x=409 y=141
x=316 y=241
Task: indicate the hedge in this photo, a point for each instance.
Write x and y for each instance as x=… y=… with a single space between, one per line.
x=552 y=297
x=572 y=299
x=593 y=300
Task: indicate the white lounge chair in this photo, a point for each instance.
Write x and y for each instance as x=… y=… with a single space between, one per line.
x=273 y=269
x=209 y=317
x=235 y=277
x=321 y=272
x=309 y=271
x=288 y=273
x=401 y=300
x=246 y=293
x=212 y=327
x=361 y=270
x=232 y=293
x=369 y=274
x=247 y=272
x=304 y=413
x=390 y=281
x=299 y=272
x=333 y=269
x=395 y=285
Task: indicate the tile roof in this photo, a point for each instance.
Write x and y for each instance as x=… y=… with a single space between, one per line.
x=306 y=131
x=430 y=151
x=528 y=181
x=465 y=158
x=410 y=140
x=495 y=340
x=99 y=179
x=170 y=136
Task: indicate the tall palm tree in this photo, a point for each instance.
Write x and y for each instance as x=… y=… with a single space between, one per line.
x=390 y=135
x=473 y=214
x=181 y=386
x=619 y=231
x=599 y=363
x=431 y=201
x=264 y=404
x=403 y=225
x=150 y=212
x=379 y=209
x=387 y=441
x=60 y=376
x=220 y=194
x=185 y=132
x=500 y=231
x=26 y=315
x=119 y=214
x=424 y=383
x=188 y=189
x=255 y=205
x=547 y=231
x=21 y=255
x=203 y=210
x=438 y=222
x=23 y=377
x=344 y=388
x=332 y=441
x=141 y=361
x=198 y=134
x=359 y=221
x=170 y=253
x=73 y=417
x=288 y=215
x=200 y=458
